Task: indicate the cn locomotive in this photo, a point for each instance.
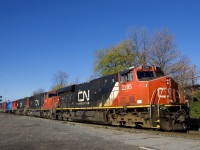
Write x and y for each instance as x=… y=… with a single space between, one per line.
x=138 y=97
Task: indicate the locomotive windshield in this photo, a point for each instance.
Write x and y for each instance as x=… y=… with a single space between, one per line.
x=52 y=95
x=145 y=75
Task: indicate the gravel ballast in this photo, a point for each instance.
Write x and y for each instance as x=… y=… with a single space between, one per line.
x=23 y=132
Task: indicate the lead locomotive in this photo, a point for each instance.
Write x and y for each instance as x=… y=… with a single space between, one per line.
x=141 y=96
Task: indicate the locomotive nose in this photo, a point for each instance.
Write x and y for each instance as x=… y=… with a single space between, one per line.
x=164 y=90
x=172 y=90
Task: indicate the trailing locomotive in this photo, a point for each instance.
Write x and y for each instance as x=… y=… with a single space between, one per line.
x=141 y=96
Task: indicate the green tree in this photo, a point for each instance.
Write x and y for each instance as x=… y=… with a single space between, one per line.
x=56 y=87
x=115 y=59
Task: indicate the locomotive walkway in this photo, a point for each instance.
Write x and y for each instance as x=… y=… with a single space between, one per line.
x=22 y=133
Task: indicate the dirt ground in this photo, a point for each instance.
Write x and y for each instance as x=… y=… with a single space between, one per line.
x=29 y=133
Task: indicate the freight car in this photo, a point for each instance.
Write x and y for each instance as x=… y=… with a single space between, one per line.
x=141 y=96
x=9 y=107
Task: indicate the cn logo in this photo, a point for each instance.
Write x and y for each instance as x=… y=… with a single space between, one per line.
x=82 y=95
x=37 y=103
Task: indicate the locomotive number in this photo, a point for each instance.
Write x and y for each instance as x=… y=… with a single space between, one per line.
x=127 y=87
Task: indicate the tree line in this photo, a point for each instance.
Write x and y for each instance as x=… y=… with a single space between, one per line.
x=141 y=48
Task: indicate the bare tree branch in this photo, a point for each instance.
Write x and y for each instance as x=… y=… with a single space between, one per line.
x=60 y=80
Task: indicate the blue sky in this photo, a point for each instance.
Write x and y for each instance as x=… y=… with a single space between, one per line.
x=40 y=37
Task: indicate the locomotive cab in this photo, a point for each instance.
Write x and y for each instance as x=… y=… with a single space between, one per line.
x=147 y=85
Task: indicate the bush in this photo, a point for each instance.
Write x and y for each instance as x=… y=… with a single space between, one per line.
x=195 y=107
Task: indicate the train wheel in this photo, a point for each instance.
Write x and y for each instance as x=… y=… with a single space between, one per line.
x=166 y=124
x=60 y=117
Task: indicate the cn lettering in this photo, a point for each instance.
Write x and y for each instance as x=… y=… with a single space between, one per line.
x=37 y=103
x=82 y=95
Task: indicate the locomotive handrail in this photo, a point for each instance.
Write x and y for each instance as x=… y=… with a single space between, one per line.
x=152 y=96
x=179 y=95
x=159 y=96
x=159 y=100
x=150 y=111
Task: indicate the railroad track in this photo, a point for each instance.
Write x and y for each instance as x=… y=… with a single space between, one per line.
x=189 y=135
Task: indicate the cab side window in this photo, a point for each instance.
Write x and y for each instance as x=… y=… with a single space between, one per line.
x=130 y=76
x=126 y=77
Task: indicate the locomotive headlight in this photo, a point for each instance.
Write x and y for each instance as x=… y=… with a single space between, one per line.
x=167 y=81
